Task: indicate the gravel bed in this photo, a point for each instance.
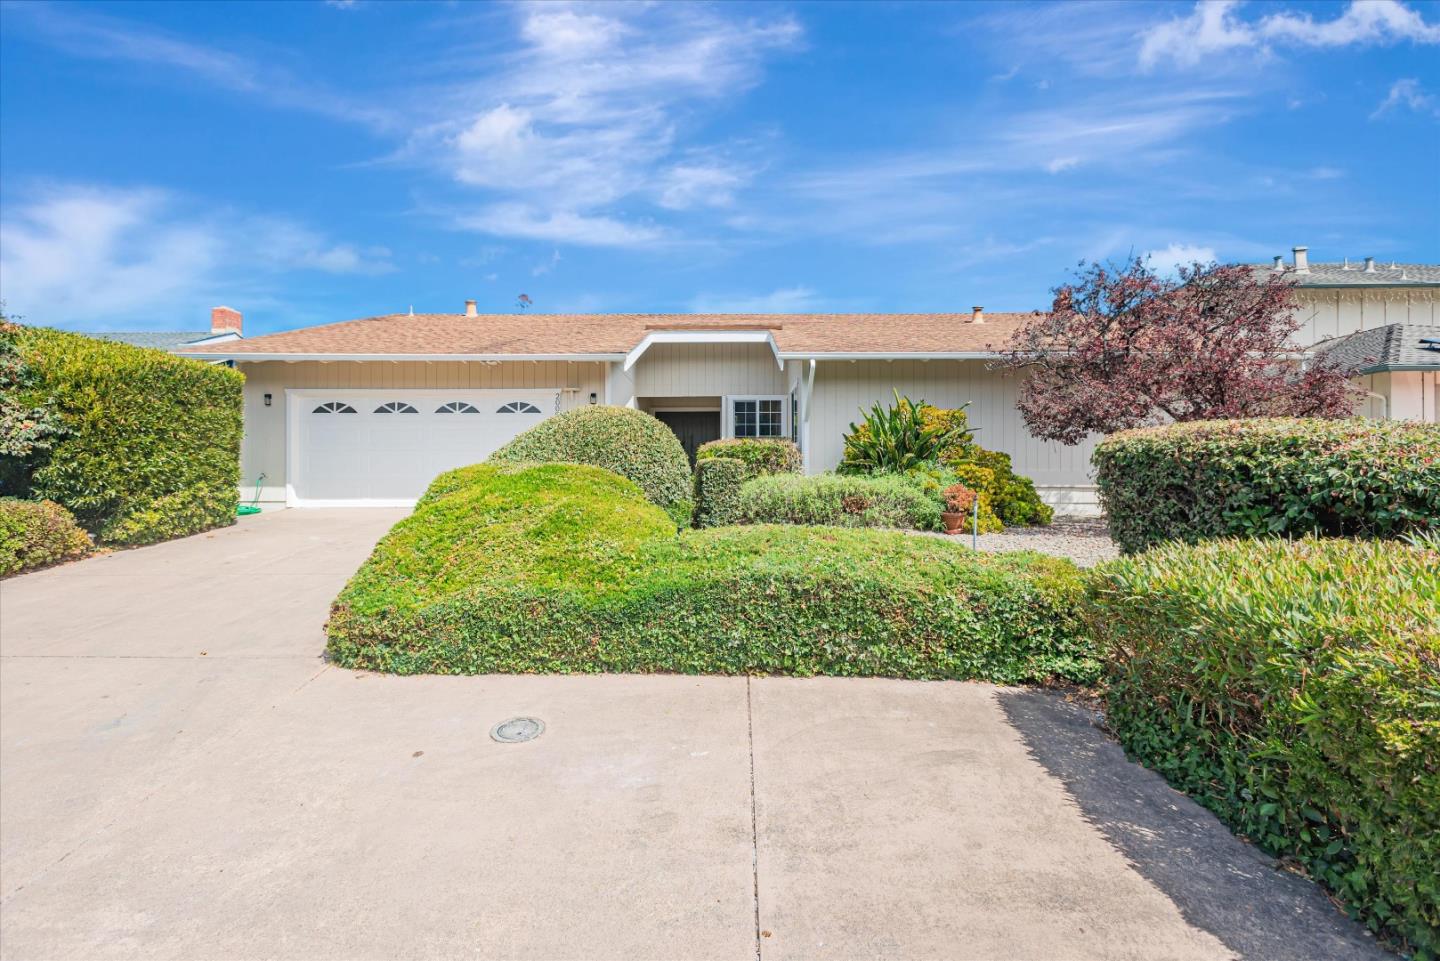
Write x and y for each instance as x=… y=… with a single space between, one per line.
x=1085 y=540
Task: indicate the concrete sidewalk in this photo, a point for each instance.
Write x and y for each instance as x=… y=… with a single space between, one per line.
x=181 y=776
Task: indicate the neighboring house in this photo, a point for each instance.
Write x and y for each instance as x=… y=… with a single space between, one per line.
x=225 y=325
x=1373 y=316
x=1399 y=365
x=368 y=411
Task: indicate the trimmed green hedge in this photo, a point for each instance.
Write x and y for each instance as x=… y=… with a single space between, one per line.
x=629 y=442
x=149 y=444
x=855 y=500
x=37 y=533
x=1269 y=476
x=722 y=466
x=1294 y=689
x=558 y=568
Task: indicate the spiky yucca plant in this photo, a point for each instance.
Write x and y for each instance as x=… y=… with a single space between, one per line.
x=895 y=439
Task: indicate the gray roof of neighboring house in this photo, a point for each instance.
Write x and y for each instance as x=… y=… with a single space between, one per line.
x=159 y=339
x=1392 y=347
x=1355 y=275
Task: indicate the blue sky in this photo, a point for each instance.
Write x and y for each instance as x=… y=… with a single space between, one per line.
x=313 y=162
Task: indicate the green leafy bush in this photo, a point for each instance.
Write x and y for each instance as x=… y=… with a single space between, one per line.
x=629 y=442
x=763 y=455
x=148 y=445
x=1269 y=476
x=1294 y=689
x=896 y=439
x=717 y=490
x=837 y=500
x=558 y=568
x=37 y=533
x=911 y=438
x=722 y=466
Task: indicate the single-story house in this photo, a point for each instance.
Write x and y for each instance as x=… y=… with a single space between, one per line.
x=367 y=412
x=1399 y=366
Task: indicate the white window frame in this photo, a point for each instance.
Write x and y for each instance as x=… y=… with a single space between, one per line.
x=727 y=427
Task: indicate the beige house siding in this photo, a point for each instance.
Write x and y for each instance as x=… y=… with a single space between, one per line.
x=703 y=370
x=1331 y=313
x=263 y=449
x=842 y=389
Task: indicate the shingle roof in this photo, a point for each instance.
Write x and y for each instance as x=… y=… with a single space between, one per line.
x=1392 y=347
x=612 y=334
x=159 y=339
x=1355 y=275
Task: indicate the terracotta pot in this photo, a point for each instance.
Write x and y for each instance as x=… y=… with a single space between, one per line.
x=954 y=522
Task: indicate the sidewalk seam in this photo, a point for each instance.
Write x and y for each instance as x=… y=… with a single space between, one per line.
x=754 y=818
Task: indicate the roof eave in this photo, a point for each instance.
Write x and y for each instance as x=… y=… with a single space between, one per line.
x=242 y=357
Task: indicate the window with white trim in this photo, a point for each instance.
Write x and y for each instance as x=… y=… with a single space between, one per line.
x=457 y=407
x=757 y=416
x=518 y=407
x=334 y=407
x=396 y=407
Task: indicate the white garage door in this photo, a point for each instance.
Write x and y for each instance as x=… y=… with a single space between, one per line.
x=383 y=448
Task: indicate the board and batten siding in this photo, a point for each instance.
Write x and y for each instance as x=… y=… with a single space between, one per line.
x=263 y=448
x=843 y=389
x=1327 y=313
x=707 y=370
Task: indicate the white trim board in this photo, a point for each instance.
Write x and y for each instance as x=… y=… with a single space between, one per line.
x=703 y=337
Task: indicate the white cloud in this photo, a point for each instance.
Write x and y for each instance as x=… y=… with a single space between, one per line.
x=1407 y=94
x=786 y=300
x=1169 y=260
x=536 y=223
x=589 y=114
x=1214 y=28
x=1061 y=164
x=101 y=257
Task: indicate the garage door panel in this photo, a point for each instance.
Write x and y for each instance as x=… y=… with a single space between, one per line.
x=396 y=442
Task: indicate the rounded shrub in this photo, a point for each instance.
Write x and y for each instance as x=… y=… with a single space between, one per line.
x=629 y=442
x=763 y=455
x=1288 y=476
x=1290 y=687
x=37 y=533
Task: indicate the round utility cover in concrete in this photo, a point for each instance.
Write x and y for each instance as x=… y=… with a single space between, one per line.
x=518 y=729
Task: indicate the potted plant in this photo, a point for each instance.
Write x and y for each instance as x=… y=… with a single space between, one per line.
x=959 y=502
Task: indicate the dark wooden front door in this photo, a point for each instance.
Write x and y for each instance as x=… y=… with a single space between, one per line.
x=693 y=427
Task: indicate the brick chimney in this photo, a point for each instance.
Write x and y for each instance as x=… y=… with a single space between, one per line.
x=470 y=309
x=224 y=320
x=1302 y=259
x=977 y=315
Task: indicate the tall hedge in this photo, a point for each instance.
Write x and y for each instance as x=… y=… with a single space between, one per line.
x=1285 y=476
x=629 y=442
x=1294 y=689
x=148 y=445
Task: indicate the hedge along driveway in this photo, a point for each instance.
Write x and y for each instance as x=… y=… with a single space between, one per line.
x=150 y=447
x=566 y=568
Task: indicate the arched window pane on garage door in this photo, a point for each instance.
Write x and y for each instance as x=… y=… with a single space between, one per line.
x=396 y=407
x=456 y=407
x=518 y=407
x=333 y=407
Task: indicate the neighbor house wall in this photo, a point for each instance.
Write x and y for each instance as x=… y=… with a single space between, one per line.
x=1332 y=312
x=842 y=389
x=263 y=448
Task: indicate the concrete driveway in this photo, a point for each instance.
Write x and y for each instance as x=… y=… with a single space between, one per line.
x=183 y=776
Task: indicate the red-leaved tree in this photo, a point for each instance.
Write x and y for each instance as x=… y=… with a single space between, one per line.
x=1124 y=347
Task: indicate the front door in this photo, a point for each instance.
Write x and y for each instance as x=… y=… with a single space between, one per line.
x=693 y=427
